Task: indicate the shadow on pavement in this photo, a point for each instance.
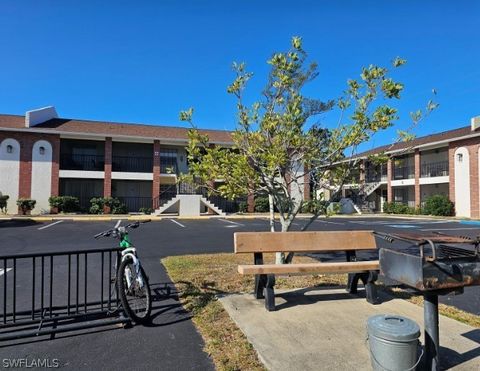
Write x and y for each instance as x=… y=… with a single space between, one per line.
x=305 y=296
x=17 y=223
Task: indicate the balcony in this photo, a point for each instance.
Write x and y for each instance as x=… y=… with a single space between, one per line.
x=403 y=172
x=132 y=164
x=433 y=169
x=82 y=162
x=374 y=177
x=168 y=165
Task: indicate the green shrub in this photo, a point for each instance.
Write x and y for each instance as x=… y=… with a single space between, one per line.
x=114 y=204
x=333 y=208
x=146 y=210
x=313 y=207
x=96 y=205
x=243 y=207
x=26 y=205
x=3 y=203
x=65 y=204
x=400 y=208
x=262 y=205
x=439 y=205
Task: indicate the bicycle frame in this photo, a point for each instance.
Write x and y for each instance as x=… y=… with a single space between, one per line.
x=129 y=252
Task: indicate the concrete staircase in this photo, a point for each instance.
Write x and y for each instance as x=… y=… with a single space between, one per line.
x=189 y=205
x=212 y=206
x=361 y=203
x=369 y=188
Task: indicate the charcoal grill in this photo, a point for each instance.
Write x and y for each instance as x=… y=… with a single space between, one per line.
x=432 y=265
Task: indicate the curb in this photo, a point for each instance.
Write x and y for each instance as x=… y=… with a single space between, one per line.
x=153 y=218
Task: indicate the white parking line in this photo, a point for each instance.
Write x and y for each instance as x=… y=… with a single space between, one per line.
x=229 y=221
x=177 y=223
x=2 y=271
x=50 y=225
x=324 y=221
x=447 y=229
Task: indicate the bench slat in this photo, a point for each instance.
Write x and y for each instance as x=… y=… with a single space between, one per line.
x=248 y=242
x=336 y=267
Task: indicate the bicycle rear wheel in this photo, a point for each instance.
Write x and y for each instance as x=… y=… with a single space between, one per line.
x=134 y=291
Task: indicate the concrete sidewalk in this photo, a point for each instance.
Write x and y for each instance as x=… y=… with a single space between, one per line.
x=320 y=329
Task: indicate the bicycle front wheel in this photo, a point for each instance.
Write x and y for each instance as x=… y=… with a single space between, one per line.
x=134 y=291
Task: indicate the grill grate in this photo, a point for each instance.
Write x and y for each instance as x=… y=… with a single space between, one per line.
x=453 y=252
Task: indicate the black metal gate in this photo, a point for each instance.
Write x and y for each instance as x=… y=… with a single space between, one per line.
x=47 y=293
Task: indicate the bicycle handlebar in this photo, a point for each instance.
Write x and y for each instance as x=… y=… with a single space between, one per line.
x=109 y=232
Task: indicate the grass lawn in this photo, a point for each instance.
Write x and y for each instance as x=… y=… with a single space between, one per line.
x=200 y=278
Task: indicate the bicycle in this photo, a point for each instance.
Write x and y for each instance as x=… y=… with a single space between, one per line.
x=131 y=279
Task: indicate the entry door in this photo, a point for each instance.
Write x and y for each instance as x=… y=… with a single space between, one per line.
x=383 y=198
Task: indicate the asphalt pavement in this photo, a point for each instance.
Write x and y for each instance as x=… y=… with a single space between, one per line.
x=171 y=342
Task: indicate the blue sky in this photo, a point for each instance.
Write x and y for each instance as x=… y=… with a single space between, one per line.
x=144 y=61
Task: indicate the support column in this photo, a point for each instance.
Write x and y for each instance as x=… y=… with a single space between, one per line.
x=306 y=184
x=451 y=171
x=156 y=175
x=107 y=180
x=389 y=180
x=417 y=178
x=55 y=188
x=362 y=172
x=25 y=178
x=211 y=185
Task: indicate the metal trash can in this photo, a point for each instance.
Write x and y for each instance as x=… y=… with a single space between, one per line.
x=393 y=342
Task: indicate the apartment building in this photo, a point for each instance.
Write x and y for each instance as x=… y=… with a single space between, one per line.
x=42 y=155
x=445 y=163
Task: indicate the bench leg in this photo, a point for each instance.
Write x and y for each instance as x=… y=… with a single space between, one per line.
x=352 y=282
x=270 y=293
x=371 y=288
x=260 y=284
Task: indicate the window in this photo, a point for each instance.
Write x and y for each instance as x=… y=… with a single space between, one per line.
x=460 y=157
x=9 y=148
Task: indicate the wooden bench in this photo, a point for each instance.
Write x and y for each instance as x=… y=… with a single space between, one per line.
x=308 y=242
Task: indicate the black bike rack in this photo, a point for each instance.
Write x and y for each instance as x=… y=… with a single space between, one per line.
x=91 y=299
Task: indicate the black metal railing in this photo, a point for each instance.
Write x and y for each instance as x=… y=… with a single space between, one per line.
x=82 y=162
x=167 y=192
x=184 y=188
x=229 y=206
x=403 y=172
x=46 y=293
x=168 y=165
x=376 y=175
x=132 y=164
x=433 y=169
x=134 y=204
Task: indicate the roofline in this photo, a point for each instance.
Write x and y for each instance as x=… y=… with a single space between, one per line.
x=127 y=123
x=103 y=136
x=428 y=144
x=419 y=146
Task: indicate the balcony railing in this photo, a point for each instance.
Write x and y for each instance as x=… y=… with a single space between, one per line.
x=82 y=162
x=132 y=164
x=434 y=169
x=134 y=204
x=405 y=172
x=168 y=165
x=375 y=177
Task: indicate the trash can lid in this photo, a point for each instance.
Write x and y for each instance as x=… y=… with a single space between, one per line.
x=393 y=327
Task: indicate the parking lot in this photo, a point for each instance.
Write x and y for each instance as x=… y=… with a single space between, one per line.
x=171 y=341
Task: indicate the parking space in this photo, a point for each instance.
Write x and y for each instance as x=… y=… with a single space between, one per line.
x=171 y=341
